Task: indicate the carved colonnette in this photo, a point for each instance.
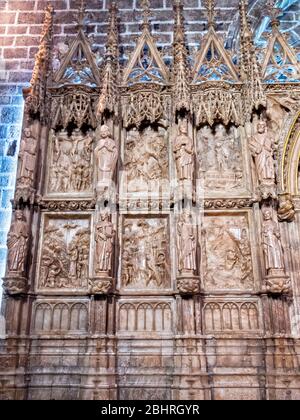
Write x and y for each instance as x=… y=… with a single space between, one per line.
x=150 y=236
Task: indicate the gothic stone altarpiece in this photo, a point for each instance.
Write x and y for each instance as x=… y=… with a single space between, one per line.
x=154 y=246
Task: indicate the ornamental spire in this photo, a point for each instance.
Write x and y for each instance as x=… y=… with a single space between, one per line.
x=146 y=14
x=108 y=96
x=81 y=14
x=37 y=93
x=249 y=66
x=274 y=13
x=181 y=71
x=210 y=6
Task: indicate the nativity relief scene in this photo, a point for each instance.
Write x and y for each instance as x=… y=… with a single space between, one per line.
x=156 y=215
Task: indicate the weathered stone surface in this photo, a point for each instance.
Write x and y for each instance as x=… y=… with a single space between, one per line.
x=146 y=258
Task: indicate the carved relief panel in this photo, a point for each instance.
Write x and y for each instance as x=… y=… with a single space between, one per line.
x=221 y=159
x=70 y=167
x=227 y=255
x=64 y=258
x=145 y=254
x=146 y=161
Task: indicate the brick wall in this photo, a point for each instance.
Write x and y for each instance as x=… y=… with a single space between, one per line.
x=20 y=27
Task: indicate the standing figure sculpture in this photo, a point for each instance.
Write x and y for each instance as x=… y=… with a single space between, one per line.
x=187 y=243
x=27 y=156
x=261 y=147
x=184 y=154
x=272 y=246
x=106 y=154
x=17 y=244
x=104 y=244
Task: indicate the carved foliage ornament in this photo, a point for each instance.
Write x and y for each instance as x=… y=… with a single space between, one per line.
x=145 y=104
x=218 y=104
x=74 y=106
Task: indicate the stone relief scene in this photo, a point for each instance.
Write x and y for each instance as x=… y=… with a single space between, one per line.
x=64 y=261
x=71 y=170
x=220 y=159
x=145 y=256
x=227 y=255
x=146 y=162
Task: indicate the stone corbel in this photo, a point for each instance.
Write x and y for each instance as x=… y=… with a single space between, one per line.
x=188 y=284
x=277 y=283
x=100 y=286
x=15 y=284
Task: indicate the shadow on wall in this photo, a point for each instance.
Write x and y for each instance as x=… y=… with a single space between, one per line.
x=11 y=114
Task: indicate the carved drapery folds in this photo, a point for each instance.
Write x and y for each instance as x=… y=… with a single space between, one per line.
x=277 y=282
x=15 y=281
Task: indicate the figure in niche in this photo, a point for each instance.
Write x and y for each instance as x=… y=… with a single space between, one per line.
x=262 y=149
x=105 y=234
x=71 y=162
x=65 y=256
x=106 y=154
x=17 y=241
x=27 y=156
x=144 y=259
x=272 y=243
x=221 y=150
x=146 y=159
x=184 y=154
x=187 y=243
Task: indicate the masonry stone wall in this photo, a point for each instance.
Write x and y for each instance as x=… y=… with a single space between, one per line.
x=20 y=28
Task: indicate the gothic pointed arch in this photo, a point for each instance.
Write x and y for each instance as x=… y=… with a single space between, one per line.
x=146 y=64
x=290 y=156
x=213 y=62
x=215 y=79
x=280 y=62
x=78 y=65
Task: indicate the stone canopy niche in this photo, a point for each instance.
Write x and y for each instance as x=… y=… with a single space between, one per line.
x=153 y=250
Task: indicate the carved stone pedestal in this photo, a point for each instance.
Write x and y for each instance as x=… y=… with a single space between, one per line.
x=267 y=190
x=188 y=284
x=277 y=283
x=15 y=284
x=100 y=285
x=184 y=190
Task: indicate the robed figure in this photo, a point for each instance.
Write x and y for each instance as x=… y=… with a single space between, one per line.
x=184 y=154
x=186 y=243
x=105 y=234
x=106 y=154
x=17 y=244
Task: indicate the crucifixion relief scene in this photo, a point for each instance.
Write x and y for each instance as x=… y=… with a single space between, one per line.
x=152 y=231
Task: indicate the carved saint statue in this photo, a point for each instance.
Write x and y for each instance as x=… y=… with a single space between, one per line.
x=106 y=154
x=17 y=244
x=186 y=243
x=104 y=244
x=27 y=156
x=184 y=154
x=271 y=242
x=261 y=147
